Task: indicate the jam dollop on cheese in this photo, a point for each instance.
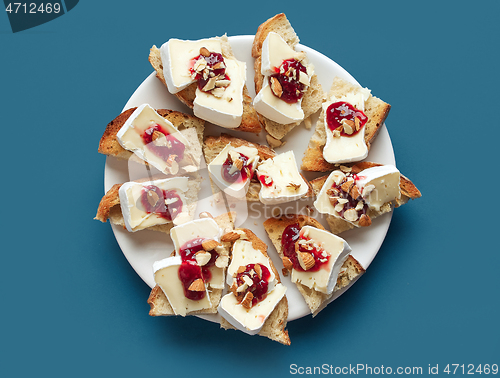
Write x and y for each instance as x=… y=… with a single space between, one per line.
x=341 y=114
x=259 y=277
x=189 y=271
x=230 y=171
x=347 y=192
x=290 y=236
x=163 y=144
x=209 y=70
x=188 y=253
x=165 y=203
x=288 y=77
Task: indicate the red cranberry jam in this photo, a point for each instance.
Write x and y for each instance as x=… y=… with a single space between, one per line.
x=260 y=282
x=172 y=146
x=189 y=272
x=154 y=200
x=266 y=180
x=290 y=235
x=288 y=77
x=216 y=68
x=340 y=111
x=232 y=175
x=188 y=252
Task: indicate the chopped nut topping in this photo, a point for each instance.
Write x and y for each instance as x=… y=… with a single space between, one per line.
x=209 y=245
x=367 y=190
x=172 y=165
x=354 y=192
x=357 y=123
x=365 y=220
x=238 y=163
x=152 y=197
x=346 y=186
x=230 y=237
x=345 y=168
x=205 y=214
x=209 y=85
x=287 y=263
x=273 y=142
x=306 y=260
x=258 y=270
x=334 y=201
x=359 y=205
x=222 y=261
x=351 y=215
x=247 y=280
x=303 y=78
x=247 y=300
x=204 y=51
x=276 y=87
x=197 y=285
x=202 y=258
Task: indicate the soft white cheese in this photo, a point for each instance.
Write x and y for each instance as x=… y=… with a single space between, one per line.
x=225 y=111
x=130 y=135
x=379 y=185
x=177 y=59
x=135 y=216
x=283 y=171
x=239 y=188
x=345 y=149
x=249 y=321
x=205 y=228
x=166 y=275
x=274 y=51
x=325 y=278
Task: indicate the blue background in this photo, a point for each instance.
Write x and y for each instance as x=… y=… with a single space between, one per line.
x=73 y=306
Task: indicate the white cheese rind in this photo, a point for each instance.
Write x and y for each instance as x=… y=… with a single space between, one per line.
x=345 y=149
x=166 y=275
x=236 y=189
x=385 y=179
x=130 y=135
x=325 y=279
x=283 y=170
x=135 y=216
x=225 y=111
x=177 y=58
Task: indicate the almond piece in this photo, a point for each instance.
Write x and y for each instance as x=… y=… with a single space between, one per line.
x=357 y=123
x=258 y=270
x=158 y=138
x=346 y=186
x=273 y=142
x=172 y=166
x=205 y=214
x=293 y=186
x=204 y=51
x=306 y=260
x=354 y=192
x=202 y=258
x=247 y=300
x=287 y=263
x=276 y=87
x=230 y=237
x=209 y=245
x=351 y=215
x=284 y=271
x=238 y=163
x=153 y=198
x=365 y=220
x=197 y=285
x=222 y=261
x=240 y=269
x=334 y=201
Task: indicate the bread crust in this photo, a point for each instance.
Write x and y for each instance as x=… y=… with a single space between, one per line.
x=250 y=120
x=312 y=99
x=375 y=109
x=275 y=324
x=351 y=269
x=338 y=225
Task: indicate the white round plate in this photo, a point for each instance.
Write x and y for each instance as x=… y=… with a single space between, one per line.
x=143 y=248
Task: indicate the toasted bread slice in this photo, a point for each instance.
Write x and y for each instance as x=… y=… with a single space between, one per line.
x=158 y=302
x=274 y=326
x=338 y=225
x=250 y=121
x=191 y=127
x=351 y=269
x=375 y=109
x=214 y=145
x=312 y=99
x=109 y=207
